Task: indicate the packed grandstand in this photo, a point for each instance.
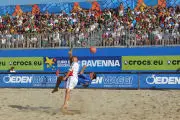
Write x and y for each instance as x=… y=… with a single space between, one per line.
x=122 y=26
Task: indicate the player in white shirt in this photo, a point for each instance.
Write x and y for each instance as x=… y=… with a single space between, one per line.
x=72 y=73
x=71 y=79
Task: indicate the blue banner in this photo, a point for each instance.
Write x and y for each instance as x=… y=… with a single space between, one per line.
x=94 y=63
x=130 y=81
x=27 y=80
x=160 y=81
x=49 y=81
x=115 y=81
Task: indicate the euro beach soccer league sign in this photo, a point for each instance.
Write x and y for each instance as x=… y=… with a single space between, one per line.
x=117 y=63
x=95 y=64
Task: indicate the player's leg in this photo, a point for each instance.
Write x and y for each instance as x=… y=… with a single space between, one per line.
x=60 y=78
x=67 y=97
x=70 y=85
x=58 y=82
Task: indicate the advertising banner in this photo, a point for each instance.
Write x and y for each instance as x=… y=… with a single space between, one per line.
x=49 y=80
x=155 y=81
x=94 y=63
x=28 y=80
x=115 y=81
x=150 y=63
x=22 y=63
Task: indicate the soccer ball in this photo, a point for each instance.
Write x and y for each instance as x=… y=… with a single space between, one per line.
x=92 y=49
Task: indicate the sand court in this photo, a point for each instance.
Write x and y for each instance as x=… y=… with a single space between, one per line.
x=90 y=104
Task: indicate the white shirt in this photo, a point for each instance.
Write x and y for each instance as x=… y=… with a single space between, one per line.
x=74 y=20
x=74 y=68
x=0 y=19
x=56 y=36
x=8 y=36
x=19 y=22
x=20 y=37
x=3 y=41
x=33 y=39
x=12 y=71
x=56 y=21
x=27 y=28
x=121 y=12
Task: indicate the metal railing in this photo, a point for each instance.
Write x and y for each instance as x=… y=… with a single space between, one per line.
x=96 y=37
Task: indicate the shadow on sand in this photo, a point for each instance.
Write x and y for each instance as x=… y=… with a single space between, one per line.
x=48 y=110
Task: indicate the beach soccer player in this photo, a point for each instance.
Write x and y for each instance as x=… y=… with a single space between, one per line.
x=71 y=79
x=85 y=80
x=60 y=78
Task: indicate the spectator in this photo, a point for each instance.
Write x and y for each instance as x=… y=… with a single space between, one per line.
x=12 y=70
x=121 y=10
x=119 y=26
x=3 y=41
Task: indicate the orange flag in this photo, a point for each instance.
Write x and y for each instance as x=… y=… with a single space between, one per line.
x=17 y=11
x=96 y=7
x=140 y=5
x=76 y=7
x=162 y=3
x=35 y=9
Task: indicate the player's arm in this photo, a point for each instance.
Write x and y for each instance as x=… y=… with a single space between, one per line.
x=67 y=75
x=70 y=56
x=70 y=53
x=83 y=69
x=69 y=72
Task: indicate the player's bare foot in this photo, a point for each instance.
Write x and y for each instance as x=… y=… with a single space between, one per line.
x=64 y=107
x=67 y=112
x=54 y=90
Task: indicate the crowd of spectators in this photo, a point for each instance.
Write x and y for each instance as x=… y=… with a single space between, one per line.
x=111 y=27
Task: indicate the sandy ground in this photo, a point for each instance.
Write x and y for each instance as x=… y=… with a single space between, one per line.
x=40 y=104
